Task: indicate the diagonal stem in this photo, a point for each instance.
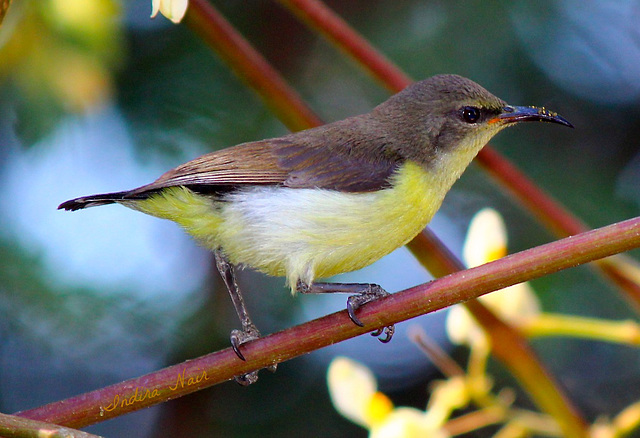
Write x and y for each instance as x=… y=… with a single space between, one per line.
x=12 y=426
x=322 y=19
x=218 y=367
x=249 y=65
x=4 y=8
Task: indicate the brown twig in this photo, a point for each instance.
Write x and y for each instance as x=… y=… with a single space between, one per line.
x=4 y=7
x=322 y=19
x=12 y=426
x=249 y=65
x=221 y=366
x=440 y=358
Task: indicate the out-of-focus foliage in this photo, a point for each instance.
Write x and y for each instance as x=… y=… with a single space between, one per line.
x=4 y=7
x=60 y=55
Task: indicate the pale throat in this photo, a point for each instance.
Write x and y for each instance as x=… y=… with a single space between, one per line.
x=449 y=166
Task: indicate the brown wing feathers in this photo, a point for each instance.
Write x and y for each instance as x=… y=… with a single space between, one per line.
x=247 y=163
x=305 y=160
x=309 y=159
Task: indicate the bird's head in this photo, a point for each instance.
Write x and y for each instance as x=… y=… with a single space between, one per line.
x=450 y=114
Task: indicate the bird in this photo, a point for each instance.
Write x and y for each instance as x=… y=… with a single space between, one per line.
x=331 y=199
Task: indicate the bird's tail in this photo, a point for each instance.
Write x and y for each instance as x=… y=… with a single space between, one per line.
x=92 y=201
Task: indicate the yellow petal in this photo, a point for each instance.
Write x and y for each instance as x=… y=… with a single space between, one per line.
x=378 y=408
x=407 y=423
x=352 y=387
x=447 y=396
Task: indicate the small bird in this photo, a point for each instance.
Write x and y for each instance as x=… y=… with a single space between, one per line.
x=331 y=199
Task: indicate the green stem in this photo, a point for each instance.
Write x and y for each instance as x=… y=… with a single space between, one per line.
x=12 y=426
x=547 y=324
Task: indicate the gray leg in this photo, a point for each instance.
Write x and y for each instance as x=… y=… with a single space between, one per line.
x=249 y=330
x=362 y=294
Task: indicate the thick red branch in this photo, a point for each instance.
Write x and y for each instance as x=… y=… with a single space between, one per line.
x=221 y=366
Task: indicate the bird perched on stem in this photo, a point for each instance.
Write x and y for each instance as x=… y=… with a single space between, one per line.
x=331 y=199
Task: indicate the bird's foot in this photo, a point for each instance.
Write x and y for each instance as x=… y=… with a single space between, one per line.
x=355 y=301
x=239 y=337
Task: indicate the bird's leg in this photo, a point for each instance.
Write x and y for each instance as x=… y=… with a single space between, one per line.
x=361 y=293
x=249 y=330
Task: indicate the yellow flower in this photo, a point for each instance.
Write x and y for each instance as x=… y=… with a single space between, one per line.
x=61 y=54
x=406 y=423
x=447 y=396
x=353 y=391
x=174 y=10
x=92 y=22
x=487 y=241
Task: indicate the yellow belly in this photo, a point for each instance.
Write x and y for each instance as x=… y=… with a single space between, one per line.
x=305 y=233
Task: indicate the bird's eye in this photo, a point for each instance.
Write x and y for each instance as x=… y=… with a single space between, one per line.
x=470 y=114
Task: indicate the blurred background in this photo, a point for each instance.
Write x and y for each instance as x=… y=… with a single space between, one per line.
x=95 y=96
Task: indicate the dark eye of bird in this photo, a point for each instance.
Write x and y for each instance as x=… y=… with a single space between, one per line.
x=470 y=114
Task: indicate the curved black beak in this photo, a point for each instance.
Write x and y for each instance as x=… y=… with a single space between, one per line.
x=514 y=114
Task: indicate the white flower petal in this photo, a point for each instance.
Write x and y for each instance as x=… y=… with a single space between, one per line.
x=351 y=387
x=174 y=10
x=486 y=239
x=515 y=304
x=155 y=7
x=461 y=327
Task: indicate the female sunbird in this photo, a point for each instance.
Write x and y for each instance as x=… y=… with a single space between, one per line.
x=331 y=199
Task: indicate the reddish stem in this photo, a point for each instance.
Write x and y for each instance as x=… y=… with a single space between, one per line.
x=250 y=65
x=221 y=366
x=322 y=19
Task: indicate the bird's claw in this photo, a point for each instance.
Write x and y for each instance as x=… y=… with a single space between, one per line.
x=239 y=337
x=352 y=305
x=387 y=331
x=247 y=379
x=355 y=301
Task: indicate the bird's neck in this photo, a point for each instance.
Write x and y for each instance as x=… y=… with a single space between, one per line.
x=447 y=166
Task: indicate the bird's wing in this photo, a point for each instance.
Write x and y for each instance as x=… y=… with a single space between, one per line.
x=247 y=163
x=290 y=161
